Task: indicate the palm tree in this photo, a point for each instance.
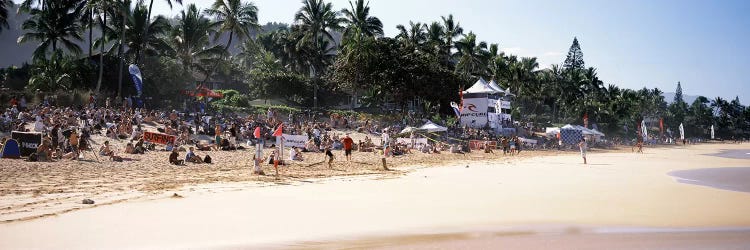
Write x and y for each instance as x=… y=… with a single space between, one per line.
x=316 y=19
x=57 y=24
x=189 y=39
x=471 y=57
x=452 y=30
x=134 y=40
x=414 y=36
x=235 y=17
x=359 y=22
x=148 y=15
x=101 y=7
x=360 y=31
x=4 y=4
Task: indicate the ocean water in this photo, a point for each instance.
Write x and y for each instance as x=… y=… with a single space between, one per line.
x=733 y=153
x=733 y=179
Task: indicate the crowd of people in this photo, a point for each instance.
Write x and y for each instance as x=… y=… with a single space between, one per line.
x=69 y=132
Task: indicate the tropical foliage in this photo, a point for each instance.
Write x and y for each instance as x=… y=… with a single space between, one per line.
x=332 y=57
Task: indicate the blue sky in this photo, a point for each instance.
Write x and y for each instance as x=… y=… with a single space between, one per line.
x=633 y=43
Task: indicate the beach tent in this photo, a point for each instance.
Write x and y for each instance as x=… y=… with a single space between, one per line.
x=409 y=129
x=432 y=127
x=11 y=150
x=481 y=87
x=493 y=85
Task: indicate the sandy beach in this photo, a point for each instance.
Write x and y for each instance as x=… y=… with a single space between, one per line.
x=544 y=192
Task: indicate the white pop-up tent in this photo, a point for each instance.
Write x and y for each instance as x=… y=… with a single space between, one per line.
x=482 y=87
x=493 y=85
x=432 y=127
x=584 y=131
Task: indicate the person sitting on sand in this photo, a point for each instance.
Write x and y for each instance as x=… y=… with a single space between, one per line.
x=488 y=147
x=44 y=151
x=105 y=150
x=173 y=158
x=130 y=149
x=192 y=157
x=293 y=154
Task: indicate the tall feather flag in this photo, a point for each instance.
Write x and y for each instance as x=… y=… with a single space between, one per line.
x=257 y=133
x=454 y=105
x=682 y=132
x=661 y=126
x=645 y=129
x=279 y=130
x=135 y=74
x=712 y=132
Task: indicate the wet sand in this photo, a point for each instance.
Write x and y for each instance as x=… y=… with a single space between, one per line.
x=734 y=179
x=617 y=190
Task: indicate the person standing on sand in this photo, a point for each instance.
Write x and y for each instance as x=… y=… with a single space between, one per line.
x=348 y=142
x=276 y=157
x=329 y=155
x=386 y=151
x=583 y=146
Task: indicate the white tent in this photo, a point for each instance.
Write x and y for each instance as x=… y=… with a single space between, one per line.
x=481 y=87
x=409 y=129
x=493 y=85
x=432 y=127
x=584 y=131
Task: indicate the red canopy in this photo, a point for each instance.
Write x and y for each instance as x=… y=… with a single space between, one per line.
x=204 y=92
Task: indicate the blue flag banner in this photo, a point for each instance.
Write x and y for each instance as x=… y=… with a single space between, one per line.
x=135 y=73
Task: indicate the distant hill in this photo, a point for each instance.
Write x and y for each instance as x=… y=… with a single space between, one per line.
x=689 y=99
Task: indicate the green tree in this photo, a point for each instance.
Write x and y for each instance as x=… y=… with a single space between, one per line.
x=234 y=17
x=316 y=19
x=56 y=24
x=147 y=28
x=359 y=35
x=190 y=40
x=471 y=57
x=678 y=109
x=414 y=36
x=452 y=30
x=575 y=56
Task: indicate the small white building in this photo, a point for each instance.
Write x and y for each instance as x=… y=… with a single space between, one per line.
x=486 y=104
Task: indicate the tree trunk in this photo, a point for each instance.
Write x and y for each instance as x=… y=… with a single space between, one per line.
x=120 y=57
x=91 y=34
x=101 y=54
x=145 y=32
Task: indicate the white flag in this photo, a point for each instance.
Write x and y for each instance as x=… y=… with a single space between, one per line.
x=682 y=132
x=644 y=130
x=712 y=132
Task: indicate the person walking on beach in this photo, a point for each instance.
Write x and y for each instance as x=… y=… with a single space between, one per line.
x=583 y=146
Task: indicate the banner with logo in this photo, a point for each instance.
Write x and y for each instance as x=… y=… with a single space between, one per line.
x=158 y=138
x=135 y=73
x=292 y=140
x=27 y=141
x=474 y=113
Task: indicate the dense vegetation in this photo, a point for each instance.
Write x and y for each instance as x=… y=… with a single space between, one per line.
x=328 y=57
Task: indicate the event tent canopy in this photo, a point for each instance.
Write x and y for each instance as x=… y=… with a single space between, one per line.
x=493 y=85
x=584 y=130
x=409 y=129
x=432 y=127
x=482 y=87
